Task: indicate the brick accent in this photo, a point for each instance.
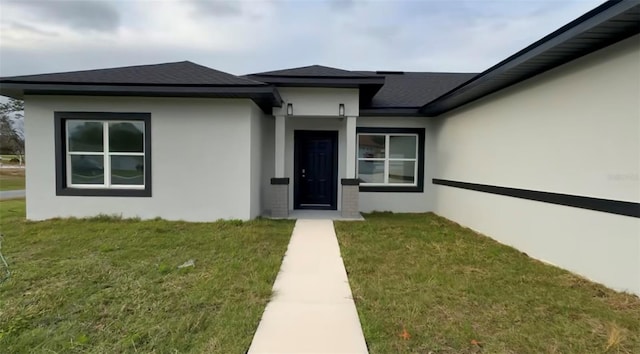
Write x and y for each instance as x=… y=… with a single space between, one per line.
x=279 y=201
x=350 y=200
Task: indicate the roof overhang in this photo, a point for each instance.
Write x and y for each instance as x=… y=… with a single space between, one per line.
x=316 y=81
x=390 y=112
x=607 y=24
x=264 y=96
x=368 y=85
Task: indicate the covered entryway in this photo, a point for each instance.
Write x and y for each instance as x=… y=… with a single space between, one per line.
x=315 y=169
x=314 y=146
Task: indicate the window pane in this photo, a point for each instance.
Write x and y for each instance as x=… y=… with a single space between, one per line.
x=85 y=136
x=371 y=146
x=371 y=171
x=126 y=137
x=402 y=147
x=402 y=172
x=127 y=170
x=87 y=169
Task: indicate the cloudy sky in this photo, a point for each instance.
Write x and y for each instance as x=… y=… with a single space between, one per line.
x=246 y=36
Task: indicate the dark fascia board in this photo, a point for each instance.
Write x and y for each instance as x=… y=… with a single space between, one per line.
x=368 y=85
x=477 y=86
x=390 y=111
x=324 y=81
x=265 y=96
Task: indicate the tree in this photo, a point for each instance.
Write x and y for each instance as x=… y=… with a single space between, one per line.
x=12 y=128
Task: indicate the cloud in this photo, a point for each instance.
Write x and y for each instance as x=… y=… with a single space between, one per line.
x=341 y=5
x=491 y=34
x=246 y=36
x=216 y=7
x=82 y=15
x=17 y=31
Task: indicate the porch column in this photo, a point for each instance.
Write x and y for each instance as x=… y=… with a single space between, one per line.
x=279 y=202
x=350 y=149
x=279 y=149
x=350 y=206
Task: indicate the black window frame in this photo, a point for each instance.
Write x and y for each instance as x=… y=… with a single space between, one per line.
x=60 y=119
x=419 y=188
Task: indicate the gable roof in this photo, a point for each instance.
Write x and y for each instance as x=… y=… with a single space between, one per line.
x=178 y=73
x=611 y=22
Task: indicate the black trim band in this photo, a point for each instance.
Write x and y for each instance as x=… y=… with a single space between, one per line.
x=350 y=181
x=281 y=180
x=605 y=205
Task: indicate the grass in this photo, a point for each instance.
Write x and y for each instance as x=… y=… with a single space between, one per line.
x=105 y=285
x=11 y=179
x=6 y=159
x=423 y=284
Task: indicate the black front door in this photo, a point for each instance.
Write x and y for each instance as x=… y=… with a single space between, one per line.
x=315 y=169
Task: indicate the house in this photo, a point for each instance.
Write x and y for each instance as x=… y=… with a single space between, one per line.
x=540 y=151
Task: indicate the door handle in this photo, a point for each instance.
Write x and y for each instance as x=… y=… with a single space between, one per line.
x=303 y=173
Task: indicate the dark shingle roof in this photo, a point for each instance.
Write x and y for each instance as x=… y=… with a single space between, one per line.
x=387 y=90
x=312 y=71
x=378 y=89
x=414 y=89
x=179 y=73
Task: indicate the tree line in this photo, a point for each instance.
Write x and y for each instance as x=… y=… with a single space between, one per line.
x=12 y=128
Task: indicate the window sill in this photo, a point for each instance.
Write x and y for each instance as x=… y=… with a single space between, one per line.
x=394 y=189
x=104 y=192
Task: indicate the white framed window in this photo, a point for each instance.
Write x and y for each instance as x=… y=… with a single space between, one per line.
x=390 y=159
x=103 y=154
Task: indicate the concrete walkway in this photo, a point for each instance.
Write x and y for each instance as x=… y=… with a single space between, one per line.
x=12 y=194
x=312 y=310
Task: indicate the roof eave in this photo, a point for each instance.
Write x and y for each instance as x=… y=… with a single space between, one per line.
x=390 y=112
x=368 y=85
x=337 y=82
x=265 y=96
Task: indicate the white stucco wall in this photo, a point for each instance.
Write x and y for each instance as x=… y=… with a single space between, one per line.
x=574 y=130
x=311 y=101
x=267 y=161
x=410 y=202
x=201 y=159
x=259 y=124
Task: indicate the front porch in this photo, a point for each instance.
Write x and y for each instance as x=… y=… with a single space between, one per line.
x=314 y=166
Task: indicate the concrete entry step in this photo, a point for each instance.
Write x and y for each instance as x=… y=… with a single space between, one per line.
x=312 y=309
x=319 y=215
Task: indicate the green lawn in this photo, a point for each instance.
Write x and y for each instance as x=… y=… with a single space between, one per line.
x=455 y=291
x=105 y=285
x=11 y=179
x=6 y=159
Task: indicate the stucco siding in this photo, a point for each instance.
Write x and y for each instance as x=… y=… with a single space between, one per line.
x=267 y=161
x=200 y=159
x=410 y=202
x=308 y=101
x=573 y=130
x=257 y=135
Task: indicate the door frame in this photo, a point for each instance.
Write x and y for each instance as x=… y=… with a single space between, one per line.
x=298 y=137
